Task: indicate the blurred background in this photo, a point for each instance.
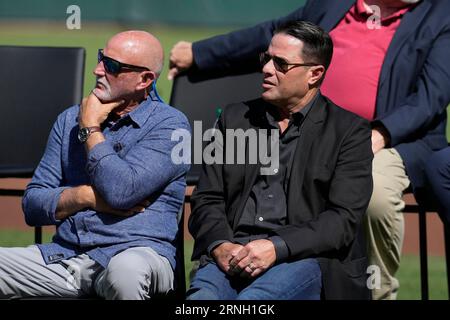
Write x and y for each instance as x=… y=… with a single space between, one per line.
x=44 y=23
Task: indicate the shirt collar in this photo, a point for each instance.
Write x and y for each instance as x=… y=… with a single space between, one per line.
x=139 y=115
x=360 y=9
x=297 y=117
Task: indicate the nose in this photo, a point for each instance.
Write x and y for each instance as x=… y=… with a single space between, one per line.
x=99 y=69
x=269 y=67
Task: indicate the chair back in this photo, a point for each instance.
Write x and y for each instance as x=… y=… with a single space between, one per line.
x=37 y=84
x=201 y=96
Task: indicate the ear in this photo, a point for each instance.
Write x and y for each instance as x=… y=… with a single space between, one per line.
x=316 y=74
x=147 y=78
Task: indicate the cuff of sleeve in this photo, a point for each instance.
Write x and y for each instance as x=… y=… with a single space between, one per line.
x=281 y=248
x=53 y=204
x=100 y=151
x=199 y=62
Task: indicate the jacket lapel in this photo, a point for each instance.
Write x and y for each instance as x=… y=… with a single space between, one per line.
x=313 y=123
x=334 y=15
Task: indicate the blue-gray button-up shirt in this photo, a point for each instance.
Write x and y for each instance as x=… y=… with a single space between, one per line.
x=133 y=164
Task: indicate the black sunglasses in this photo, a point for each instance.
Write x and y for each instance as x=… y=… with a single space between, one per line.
x=281 y=64
x=113 y=66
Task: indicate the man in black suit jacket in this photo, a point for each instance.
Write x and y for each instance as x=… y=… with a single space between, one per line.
x=291 y=231
x=408 y=96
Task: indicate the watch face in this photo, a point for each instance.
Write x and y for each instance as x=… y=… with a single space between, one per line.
x=83 y=134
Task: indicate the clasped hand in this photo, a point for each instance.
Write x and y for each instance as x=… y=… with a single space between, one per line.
x=247 y=261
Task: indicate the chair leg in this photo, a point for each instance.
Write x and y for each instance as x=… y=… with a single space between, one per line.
x=38 y=235
x=423 y=253
x=181 y=279
x=447 y=255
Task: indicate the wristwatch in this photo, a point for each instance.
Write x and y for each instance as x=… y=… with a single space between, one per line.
x=84 y=133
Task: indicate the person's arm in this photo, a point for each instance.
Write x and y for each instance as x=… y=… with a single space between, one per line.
x=73 y=200
x=47 y=202
x=230 y=50
x=348 y=197
x=429 y=100
x=146 y=169
x=42 y=194
x=225 y=51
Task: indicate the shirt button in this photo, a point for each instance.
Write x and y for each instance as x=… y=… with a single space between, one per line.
x=261 y=219
x=275 y=170
x=270 y=196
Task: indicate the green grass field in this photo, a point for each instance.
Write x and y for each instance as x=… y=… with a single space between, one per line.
x=409 y=273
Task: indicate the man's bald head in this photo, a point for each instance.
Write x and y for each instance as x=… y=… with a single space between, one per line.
x=138 y=48
x=134 y=48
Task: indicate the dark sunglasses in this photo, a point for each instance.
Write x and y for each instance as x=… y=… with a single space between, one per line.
x=113 y=66
x=281 y=64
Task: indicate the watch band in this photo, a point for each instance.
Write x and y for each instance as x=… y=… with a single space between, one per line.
x=94 y=129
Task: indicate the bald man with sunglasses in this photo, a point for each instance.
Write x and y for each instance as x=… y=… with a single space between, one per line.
x=109 y=185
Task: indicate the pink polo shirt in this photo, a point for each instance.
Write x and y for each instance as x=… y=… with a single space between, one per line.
x=352 y=79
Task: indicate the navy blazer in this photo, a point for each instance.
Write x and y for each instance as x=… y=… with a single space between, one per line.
x=414 y=85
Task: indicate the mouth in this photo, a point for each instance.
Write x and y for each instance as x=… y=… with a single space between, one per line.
x=100 y=84
x=267 y=84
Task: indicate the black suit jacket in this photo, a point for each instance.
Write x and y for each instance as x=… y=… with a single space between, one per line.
x=413 y=90
x=328 y=193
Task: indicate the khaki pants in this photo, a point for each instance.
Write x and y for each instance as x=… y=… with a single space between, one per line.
x=384 y=220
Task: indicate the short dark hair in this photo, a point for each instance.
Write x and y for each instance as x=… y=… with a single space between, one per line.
x=317 y=44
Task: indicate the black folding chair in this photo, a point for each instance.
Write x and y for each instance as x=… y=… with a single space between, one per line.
x=201 y=95
x=422 y=203
x=180 y=277
x=37 y=83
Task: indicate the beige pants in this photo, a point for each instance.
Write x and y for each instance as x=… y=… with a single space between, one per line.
x=384 y=220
